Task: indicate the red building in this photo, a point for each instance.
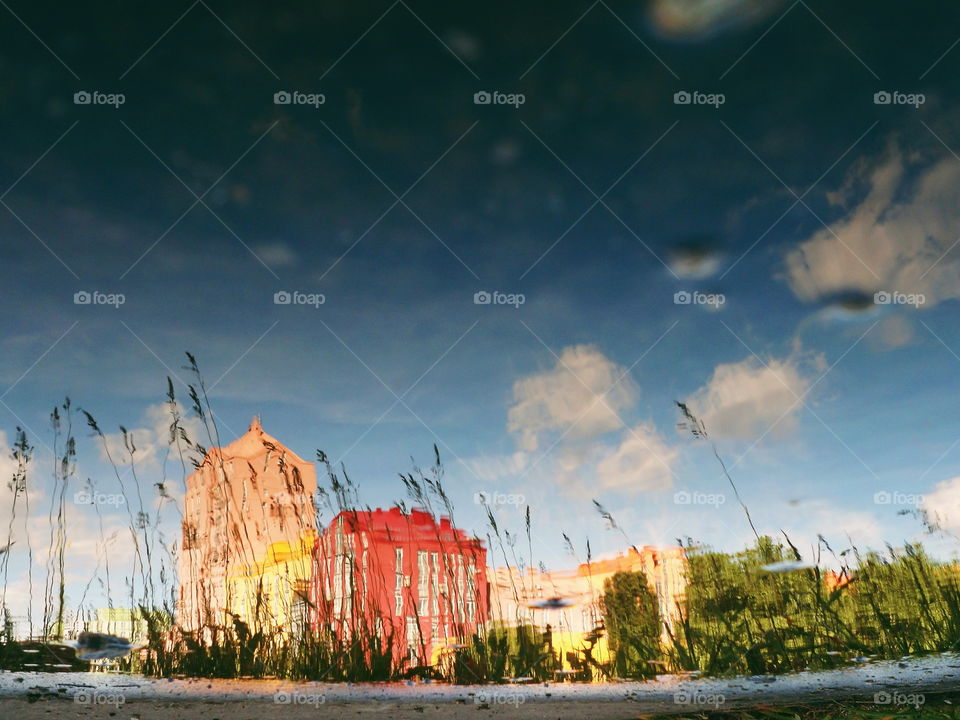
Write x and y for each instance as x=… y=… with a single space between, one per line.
x=399 y=582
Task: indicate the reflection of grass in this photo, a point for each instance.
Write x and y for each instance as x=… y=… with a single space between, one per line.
x=741 y=619
x=736 y=618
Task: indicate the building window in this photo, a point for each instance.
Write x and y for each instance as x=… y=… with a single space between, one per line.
x=399 y=584
x=471 y=591
x=398 y=597
x=423 y=582
x=189 y=536
x=413 y=639
x=423 y=572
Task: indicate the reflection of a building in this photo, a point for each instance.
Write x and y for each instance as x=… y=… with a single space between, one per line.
x=251 y=552
x=404 y=578
x=248 y=536
x=118 y=621
x=576 y=628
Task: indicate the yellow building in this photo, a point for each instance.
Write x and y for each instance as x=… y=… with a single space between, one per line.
x=122 y=622
x=248 y=536
x=573 y=629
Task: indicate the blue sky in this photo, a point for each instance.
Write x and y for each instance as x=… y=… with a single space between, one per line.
x=598 y=200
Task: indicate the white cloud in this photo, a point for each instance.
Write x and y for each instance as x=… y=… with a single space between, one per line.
x=743 y=399
x=495 y=467
x=897 y=238
x=590 y=448
x=276 y=254
x=840 y=525
x=152 y=440
x=643 y=462
x=570 y=393
x=942 y=505
x=894 y=331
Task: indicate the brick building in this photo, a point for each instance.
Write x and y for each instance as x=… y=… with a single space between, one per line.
x=416 y=584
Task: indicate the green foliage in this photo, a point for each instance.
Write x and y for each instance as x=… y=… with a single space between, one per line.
x=740 y=618
x=502 y=653
x=631 y=616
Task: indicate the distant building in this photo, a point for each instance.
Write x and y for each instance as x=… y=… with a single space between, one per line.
x=122 y=622
x=577 y=627
x=248 y=536
x=16 y=627
x=402 y=577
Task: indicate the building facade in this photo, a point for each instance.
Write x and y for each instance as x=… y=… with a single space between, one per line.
x=396 y=582
x=121 y=622
x=579 y=626
x=416 y=584
x=248 y=536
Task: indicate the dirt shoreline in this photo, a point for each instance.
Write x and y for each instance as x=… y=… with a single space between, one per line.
x=26 y=696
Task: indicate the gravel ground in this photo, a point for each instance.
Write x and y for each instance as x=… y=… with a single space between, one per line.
x=25 y=696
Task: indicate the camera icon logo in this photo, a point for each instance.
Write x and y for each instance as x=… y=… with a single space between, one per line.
x=682 y=297
x=82 y=97
x=82 y=297
x=482 y=298
x=882 y=698
x=282 y=698
x=282 y=297
x=881 y=298
x=482 y=98
x=681 y=97
x=481 y=498
x=681 y=498
x=882 y=98
x=82 y=497
x=882 y=498
x=282 y=97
